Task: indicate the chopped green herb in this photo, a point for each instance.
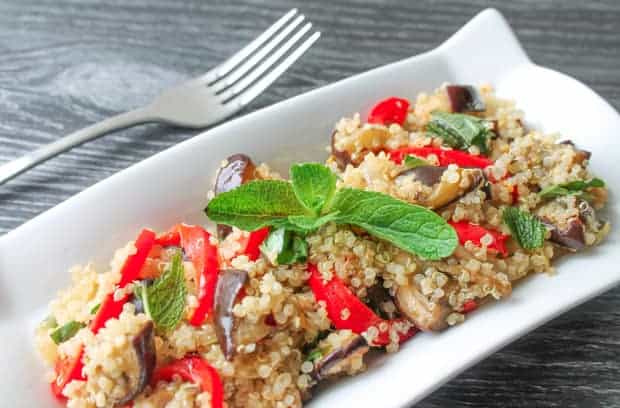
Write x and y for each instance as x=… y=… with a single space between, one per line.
x=413 y=161
x=526 y=229
x=284 y=205
x=460 y=131
x=314 y=355
x=284 y=247
x=164 y=300
x=577 y=187
x=95 y=308
x=65 y=332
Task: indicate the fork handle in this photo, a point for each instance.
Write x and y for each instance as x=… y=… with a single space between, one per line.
x=29 y=160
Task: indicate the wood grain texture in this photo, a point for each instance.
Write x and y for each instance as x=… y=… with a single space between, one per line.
x=65 y=64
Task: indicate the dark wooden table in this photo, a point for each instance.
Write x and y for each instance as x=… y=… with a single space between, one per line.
x=65 y=64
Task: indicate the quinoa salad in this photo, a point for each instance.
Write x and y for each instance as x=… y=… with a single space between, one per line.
x=424 y=210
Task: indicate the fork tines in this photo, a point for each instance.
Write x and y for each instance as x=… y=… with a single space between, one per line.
x=247 y=73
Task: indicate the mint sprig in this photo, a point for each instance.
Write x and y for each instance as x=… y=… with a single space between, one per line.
x=525 y=228
x=577 y=187
x=311 y=200
x=460 y=131
x=164 y=300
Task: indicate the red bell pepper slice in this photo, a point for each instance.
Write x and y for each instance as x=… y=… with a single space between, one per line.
x=467 y=231
x=469 y=306
x=390 y=110
x=130 y=271
x=196 y=243
x=338 y=297
x=67 y=369
x=256 y=238
x=70 y=368
x=198 y=371
x=444 y=156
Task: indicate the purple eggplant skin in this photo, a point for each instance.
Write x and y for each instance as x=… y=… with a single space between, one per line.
x=427 y=175
x=465 y=98
x=330 y=364
x=144 y=346
x=229 y=283
x=239 y=169
x=572 y=237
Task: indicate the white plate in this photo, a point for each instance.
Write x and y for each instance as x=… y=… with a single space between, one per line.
x=171 y=187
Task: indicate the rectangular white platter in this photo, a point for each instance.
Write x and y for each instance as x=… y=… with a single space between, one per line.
x=171 y=187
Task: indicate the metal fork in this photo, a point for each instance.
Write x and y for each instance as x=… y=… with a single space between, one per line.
x=202 y=101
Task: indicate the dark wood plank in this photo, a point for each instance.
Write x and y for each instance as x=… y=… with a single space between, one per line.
x=67 y=63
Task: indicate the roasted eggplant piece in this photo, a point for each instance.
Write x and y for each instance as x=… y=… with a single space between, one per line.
x=444 y=192
x=239 y=169
x=144 y=346
x=342 y=157
x=417 y=308
x=580 y=155
x=571 y=237
x=378 y=298
x=336 y=361
x=465 y=98
x=229 y=283
x=370 y=139
x=571 y=234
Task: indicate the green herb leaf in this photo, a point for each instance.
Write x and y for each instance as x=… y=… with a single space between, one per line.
x=314 y=185
x=307 y=223
x=164 y=300
x=284 y=247
x=577 y=187
x=412 y=162
x=526 y=229
x=65 y=332
x=95 y=309
x=460 y=131
x=314 y=355
x=410 y=227
x=255 y=205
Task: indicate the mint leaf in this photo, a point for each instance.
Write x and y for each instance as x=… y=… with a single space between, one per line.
x=284 y=247
x=409 y=227
x=66 y=331
x=526 y=229
x=412 y=162
x=255 y=205
x=460 y=131
x=314 y=185
x=306 y=223
x=577 y=187
x=164 y=300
